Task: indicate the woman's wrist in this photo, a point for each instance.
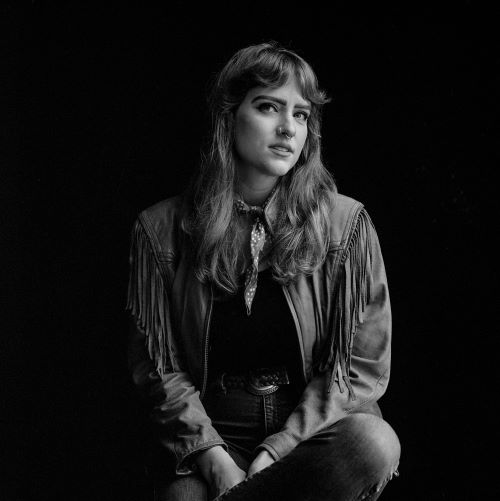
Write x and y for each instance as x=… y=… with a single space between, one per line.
x=219 y=470
x=207 y=458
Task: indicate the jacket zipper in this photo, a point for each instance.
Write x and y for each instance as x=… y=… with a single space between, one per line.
x=205 y=343
x=297 y=328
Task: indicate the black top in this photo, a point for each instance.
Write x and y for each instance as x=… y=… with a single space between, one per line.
x=266 y=338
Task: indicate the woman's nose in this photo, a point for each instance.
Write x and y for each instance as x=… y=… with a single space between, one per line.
x=287 y=128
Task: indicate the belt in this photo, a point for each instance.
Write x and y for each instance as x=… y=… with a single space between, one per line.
x=262 y=381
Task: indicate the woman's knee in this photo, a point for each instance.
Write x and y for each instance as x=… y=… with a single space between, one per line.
x=354 y=458
x=375 y=438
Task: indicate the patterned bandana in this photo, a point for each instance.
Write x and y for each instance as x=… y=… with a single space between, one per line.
x=257 y=241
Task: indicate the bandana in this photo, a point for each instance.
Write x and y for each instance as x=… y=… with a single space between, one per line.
x=257 y=241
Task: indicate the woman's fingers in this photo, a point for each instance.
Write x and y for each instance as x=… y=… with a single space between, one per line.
x=263 y=460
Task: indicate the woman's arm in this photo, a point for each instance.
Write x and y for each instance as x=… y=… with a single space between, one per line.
x=323 y=404
x=156 y=363
x=184 y=429
x=182 y=425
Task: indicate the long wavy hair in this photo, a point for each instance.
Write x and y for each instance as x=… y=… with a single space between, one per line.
x=305 y=194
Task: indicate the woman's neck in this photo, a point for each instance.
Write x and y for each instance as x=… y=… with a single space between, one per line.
x=255 y=191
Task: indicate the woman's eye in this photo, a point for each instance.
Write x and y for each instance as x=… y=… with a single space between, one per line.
x=267 y=107
x=302 y=115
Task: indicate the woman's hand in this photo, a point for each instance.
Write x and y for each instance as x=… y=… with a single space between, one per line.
x=219 y=470
x=263 y=460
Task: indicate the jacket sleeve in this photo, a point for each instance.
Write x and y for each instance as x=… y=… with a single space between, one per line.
x=356 y=365
x=155 y=360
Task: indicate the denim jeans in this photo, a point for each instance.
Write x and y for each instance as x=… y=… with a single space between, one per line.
x=351 y=460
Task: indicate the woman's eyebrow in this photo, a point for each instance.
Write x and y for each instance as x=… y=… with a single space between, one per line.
x=280 y=101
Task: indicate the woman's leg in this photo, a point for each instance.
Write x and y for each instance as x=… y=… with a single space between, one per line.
x=188 y=488
x=192 y=487
x=351 y=460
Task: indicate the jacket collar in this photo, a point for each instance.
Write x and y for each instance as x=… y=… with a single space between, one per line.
x=269 y=208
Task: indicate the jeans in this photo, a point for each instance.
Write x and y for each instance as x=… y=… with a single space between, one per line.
x=351 y=460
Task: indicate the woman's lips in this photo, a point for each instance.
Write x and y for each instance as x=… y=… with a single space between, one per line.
x=281 y=151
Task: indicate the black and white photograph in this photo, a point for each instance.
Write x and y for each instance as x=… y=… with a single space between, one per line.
x=250 y=252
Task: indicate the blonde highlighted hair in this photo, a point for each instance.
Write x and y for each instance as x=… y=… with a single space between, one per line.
x=306 y=192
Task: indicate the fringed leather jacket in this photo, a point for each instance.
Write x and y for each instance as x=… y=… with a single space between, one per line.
x=341 y=313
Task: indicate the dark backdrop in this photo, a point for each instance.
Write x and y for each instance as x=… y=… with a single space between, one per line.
x=110 y=107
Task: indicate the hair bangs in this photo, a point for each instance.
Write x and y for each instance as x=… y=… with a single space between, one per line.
x=274 y=67
x=308 y=85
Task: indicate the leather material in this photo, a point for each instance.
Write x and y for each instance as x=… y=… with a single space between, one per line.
x=178 y=391
x=257 y=381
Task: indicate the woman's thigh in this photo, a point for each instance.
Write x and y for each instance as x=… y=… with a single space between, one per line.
x=353 y=459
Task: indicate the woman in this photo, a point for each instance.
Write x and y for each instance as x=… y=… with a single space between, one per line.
x=261 y=316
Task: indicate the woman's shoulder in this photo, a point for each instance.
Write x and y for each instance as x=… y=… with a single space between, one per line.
x=161 y=221
x=164 y=212
x=343 y=216
x=343 y=205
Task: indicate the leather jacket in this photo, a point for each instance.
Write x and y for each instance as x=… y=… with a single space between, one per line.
x=341 y=313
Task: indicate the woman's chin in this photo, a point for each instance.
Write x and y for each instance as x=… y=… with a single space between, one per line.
x=277 y=168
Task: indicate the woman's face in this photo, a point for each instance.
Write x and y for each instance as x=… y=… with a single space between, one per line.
x=270 y=130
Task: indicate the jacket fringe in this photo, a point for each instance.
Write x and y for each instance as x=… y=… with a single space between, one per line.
x=354 y=292
x=147 y=300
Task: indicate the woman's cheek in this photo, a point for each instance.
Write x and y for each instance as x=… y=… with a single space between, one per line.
x=247 y=131
x=302 y=144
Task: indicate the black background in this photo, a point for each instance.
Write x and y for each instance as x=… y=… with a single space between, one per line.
x=104 y=117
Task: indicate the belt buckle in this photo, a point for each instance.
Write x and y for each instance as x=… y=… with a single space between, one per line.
x=260 y=390
x=255 y=387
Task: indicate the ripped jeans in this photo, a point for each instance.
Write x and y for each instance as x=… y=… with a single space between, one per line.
x=351 y=460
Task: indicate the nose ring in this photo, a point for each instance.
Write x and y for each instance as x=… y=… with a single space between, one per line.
x=283 y=132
